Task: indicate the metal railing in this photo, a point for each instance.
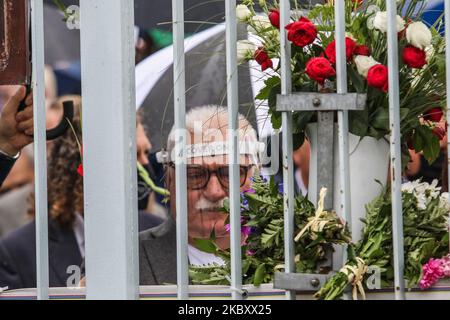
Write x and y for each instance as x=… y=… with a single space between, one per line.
x=108 y=129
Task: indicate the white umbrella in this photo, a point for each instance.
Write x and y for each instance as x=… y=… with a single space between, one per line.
x=205 y=83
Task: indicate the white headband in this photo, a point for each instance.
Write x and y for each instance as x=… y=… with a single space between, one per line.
x=213 y=149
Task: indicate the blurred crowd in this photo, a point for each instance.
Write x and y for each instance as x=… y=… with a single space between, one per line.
x=65 y=180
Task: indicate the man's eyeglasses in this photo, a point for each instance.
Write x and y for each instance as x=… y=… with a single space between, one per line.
x=198 y=176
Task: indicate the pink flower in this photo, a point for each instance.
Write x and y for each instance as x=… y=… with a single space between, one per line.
x=246 y=230
x=250 y=252
x=446 y=265
x=250 y=190
x=432 y=271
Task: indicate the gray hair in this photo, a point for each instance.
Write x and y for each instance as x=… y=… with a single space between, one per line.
x=212 y=119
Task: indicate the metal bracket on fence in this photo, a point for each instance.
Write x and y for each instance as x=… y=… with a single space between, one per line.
x=316 y=101
x=325 y=104
x=300 y=281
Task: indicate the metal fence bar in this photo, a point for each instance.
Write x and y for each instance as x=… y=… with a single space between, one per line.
x=341 y=84
x=233 y=136
x=109 y=138
x=288 y=166
x=447 y=66
x=40 y=150
x=396 y=159
x=180 y=164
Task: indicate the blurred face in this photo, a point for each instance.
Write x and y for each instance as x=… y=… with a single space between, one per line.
x=205 y=197
x=143 y=145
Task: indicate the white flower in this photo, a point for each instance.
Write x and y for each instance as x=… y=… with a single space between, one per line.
x=444 y=202
x=243 y=13
x=380 y=22
x=245 y=50
x=419 y=35
x=425 y=193
x=260 y=23
x=364 y=63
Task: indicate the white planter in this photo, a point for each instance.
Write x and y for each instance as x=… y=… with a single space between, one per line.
x=369 y=161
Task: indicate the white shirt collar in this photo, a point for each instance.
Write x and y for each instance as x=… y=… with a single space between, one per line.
x=201 y=258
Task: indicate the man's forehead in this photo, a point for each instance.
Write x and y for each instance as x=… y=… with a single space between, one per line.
x=218 y=160
x=213 y=153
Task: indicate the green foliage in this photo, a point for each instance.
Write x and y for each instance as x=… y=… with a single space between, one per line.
x=420 y=89
x=263 y=250
x=425 y=236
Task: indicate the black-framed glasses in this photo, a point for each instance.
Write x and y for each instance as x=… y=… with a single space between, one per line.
x=198 y=176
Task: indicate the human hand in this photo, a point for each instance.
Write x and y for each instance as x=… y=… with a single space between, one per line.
x=16 y=129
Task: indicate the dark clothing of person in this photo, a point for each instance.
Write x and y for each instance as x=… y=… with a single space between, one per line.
x=5 y=167
x=158 y=255
x=18 y=253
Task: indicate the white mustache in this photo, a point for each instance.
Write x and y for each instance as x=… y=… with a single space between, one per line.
x=206 y=205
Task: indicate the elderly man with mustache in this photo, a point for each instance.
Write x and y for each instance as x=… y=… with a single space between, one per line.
x=207 y=187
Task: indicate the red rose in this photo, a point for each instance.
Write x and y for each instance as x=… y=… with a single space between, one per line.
x=377 y=77
x=263 y=59
x=80 y=170
x=434 y=114
x=439 y=132
x=330 y=51
x=361 y=50
x=302 y=32
x=319 y=69
x=274 y=17
x=414 y=57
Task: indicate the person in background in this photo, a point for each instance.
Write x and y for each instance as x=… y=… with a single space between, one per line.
x=208 y=186
x=66 y=212
x=19 y=183
x=16 y=130
x=301 y=159
x=419 y=168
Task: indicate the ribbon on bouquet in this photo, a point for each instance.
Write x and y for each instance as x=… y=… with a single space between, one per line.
x=316 y=223
x=355 y=276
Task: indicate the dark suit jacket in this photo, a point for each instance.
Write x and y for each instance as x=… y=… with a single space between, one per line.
x=158 y=255
x=5 y=168
x=18 y=254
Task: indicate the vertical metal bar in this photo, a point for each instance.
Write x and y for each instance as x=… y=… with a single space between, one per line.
x=288 y=165
x=109 y=138
x=447 y=66
x=40 y=150
x=341 y=84
x=396 y=159
x=180 y=164
x=233 y=136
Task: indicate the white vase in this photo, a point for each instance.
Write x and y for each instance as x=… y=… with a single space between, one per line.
x=369 y=161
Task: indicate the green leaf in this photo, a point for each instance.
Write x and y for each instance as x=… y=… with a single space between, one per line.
x=269 y=84
x=206 y=245
x=259 y=275
x=358 y=81
x=432 y=149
